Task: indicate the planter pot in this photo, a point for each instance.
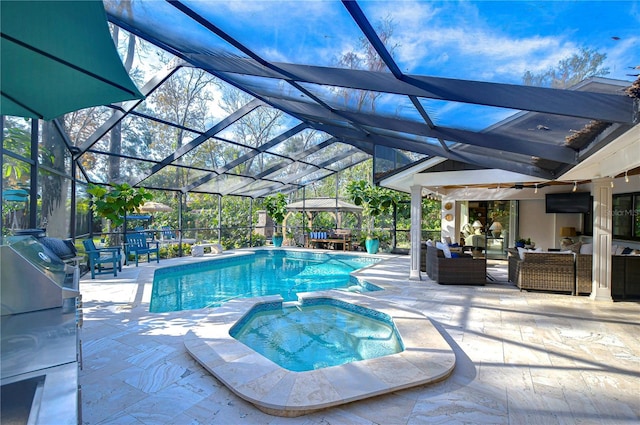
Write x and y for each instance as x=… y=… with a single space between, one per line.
x=277 y=241
x=519 y=244
x=372 y=245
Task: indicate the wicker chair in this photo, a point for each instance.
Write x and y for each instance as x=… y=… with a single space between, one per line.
x=584 y=273
x=463 y=270
x=547 y=272
x=514 y=265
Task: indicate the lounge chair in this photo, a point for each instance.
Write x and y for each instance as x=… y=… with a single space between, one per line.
x=168 y=234
x=137 y=245
x=98 y=257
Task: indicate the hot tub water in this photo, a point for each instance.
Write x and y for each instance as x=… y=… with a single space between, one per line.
x=319 y=333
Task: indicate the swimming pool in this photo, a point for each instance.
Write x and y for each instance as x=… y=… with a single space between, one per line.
x=264 y=272
x=317 y=333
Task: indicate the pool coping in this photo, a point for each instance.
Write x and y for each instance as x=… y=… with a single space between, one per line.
x=427 y=358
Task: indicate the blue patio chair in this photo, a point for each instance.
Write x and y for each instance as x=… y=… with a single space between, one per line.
x=168 y=233
x=98 y=257
x=137 y=245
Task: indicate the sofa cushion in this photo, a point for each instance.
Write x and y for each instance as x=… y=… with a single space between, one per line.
x=522 y=251
x=586 y=248
x=616 y=250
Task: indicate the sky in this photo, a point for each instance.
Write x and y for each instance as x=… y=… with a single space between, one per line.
x=494 y=41
x=484 y=40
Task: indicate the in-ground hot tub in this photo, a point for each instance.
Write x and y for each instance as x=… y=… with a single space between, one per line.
x=317 y=333
x=426 y=358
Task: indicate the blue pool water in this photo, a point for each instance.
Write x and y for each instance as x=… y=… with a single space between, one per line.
x=319 y=333
x=268 y=272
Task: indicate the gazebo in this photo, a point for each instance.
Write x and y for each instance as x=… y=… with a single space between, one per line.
x=336 y=207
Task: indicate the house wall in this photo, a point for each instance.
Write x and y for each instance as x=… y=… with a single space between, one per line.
x=534 y=222
x=543 y=228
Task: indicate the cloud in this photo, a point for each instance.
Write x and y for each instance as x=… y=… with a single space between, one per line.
x=619 y=60
x=477 y=49
x=485 y=41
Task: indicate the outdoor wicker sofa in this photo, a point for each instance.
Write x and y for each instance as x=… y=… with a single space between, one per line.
x=551 y=272
x=546 y=271
x=584 y=273
x=461 y=270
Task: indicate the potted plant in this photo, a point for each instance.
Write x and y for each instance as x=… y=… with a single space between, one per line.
x=525 y=243
x=374 y=200
x=276 y=207
x=116 y=203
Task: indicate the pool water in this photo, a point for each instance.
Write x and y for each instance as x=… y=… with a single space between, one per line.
x=326 y=333
x=268 y=272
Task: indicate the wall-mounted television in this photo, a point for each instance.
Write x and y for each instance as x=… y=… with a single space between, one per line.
x=566 y=203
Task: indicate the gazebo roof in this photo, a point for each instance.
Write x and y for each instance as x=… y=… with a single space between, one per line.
x=323 y=205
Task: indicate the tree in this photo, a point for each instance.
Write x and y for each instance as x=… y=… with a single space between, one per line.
x=569 y=71
x=374 y=200
x=276 y=207
x=253 y=130
x=365 y=56
x=54 y=184
x=14 y=171
x=115 y=204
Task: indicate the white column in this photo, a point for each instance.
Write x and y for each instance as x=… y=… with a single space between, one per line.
x=602 y=226
x=448 y=222
x=416 y=231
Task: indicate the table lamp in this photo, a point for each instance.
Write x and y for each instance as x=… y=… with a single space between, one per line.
x=496 y=229
x=477 y=226
x=566 y=233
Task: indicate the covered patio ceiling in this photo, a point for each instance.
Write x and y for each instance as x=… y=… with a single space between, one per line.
x=400 y=108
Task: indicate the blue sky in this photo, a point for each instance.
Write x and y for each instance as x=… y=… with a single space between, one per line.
x=486 y=40
x=494 y=41
x=498 y=41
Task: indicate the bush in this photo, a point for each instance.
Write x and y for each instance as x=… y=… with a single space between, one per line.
x=173 y=250
x=258 y=239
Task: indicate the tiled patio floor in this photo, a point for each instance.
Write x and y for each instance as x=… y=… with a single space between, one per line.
x=521 y=358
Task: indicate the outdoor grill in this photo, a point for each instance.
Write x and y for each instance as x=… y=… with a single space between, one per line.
x=39 y=328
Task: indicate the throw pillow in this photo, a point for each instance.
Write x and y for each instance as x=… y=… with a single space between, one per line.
x=574 y=247
x=429 y=242
x=627 y=251
x=521 y=252
x=445 y=249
